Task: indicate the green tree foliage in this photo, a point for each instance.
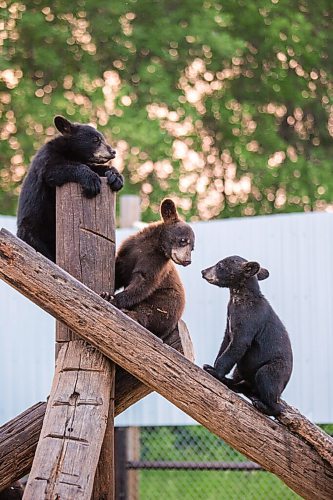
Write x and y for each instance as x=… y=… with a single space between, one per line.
x=227 y=106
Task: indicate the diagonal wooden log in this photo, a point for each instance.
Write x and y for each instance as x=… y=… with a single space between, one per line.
x=260 y=438
x=19 y=436
x=296 y=423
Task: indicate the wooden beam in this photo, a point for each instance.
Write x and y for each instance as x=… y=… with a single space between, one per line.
x=67 y=455
x=260 y=438
x=18 y=442
x=74 y=425
x=19 y=436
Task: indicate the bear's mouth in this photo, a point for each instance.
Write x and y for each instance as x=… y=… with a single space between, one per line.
x=181 y=256
x=209 y=276
x=100 y=160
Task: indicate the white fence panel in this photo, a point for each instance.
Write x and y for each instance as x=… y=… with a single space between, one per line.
x=296 y=249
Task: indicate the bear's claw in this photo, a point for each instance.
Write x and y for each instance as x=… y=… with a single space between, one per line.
x=114 y=179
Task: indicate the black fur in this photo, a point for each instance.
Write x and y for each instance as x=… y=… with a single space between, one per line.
x=13 y=492
x=80 y=154
x=255 y=340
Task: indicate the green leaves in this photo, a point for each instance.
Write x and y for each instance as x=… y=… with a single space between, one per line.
x=227 y=108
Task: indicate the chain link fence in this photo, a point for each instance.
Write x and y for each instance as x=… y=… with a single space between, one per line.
x=164 y=452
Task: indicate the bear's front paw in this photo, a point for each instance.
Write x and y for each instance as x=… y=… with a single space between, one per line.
x=114 y=179
x=210 y=369
x=91 y=185
x=107 y=296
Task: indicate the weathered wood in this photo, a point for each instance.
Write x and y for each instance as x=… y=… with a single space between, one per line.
x=130 y=389
x=311 y=433
x=86 y=249
x=74 y=425
x=104 y=484
x=85 y=240
x=18 y=441
x=19 y=437
x=260 y=438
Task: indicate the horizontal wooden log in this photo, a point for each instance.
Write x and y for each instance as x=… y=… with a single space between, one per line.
x=19 y=436
x=260 y=438
x=18 y=442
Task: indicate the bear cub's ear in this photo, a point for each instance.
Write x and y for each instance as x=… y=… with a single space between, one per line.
x=169 y=212
x=262 y=274
x=251 y=268
x=64 y=126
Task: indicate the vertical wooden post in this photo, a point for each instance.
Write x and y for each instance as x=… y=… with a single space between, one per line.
x=94 y=266
x=80 y=409
x=127 y=449
x=133 y=455
x=130 y=210
x=120 y=463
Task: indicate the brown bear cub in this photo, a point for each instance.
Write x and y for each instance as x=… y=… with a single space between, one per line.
x=255 y=341
x=153 y=293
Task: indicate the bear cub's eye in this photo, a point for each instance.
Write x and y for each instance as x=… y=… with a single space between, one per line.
x=183 y=242
x=97 y=139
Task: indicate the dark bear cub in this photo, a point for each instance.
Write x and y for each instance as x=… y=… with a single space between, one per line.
x=153 y=293
x=80 y=154
x=13 y=492
x=255 y=341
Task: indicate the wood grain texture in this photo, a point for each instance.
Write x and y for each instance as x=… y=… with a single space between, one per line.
x=19 y=436
x=86 y=249
x=18 y=442
x=74 y=425
x=261 y=439
x=311 y=433
x=85 y=240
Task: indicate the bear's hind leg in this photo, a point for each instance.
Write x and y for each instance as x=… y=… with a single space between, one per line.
x=269 y=389
x=37 y=244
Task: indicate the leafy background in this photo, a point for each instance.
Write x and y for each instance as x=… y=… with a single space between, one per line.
x=227 y=106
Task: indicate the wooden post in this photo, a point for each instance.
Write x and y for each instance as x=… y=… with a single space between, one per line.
x=130 y=210
x=133 y=454
x=304 y=465
x=120 y=464
x=127 y=449
x=19 y=436
x=86 y=249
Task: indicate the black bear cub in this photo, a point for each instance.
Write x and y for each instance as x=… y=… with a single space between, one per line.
x=255 y=340
x=13 y=492
x=80 y=154
x=153 y=293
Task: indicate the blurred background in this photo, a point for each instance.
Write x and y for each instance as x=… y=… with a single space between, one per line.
x=226 y=107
